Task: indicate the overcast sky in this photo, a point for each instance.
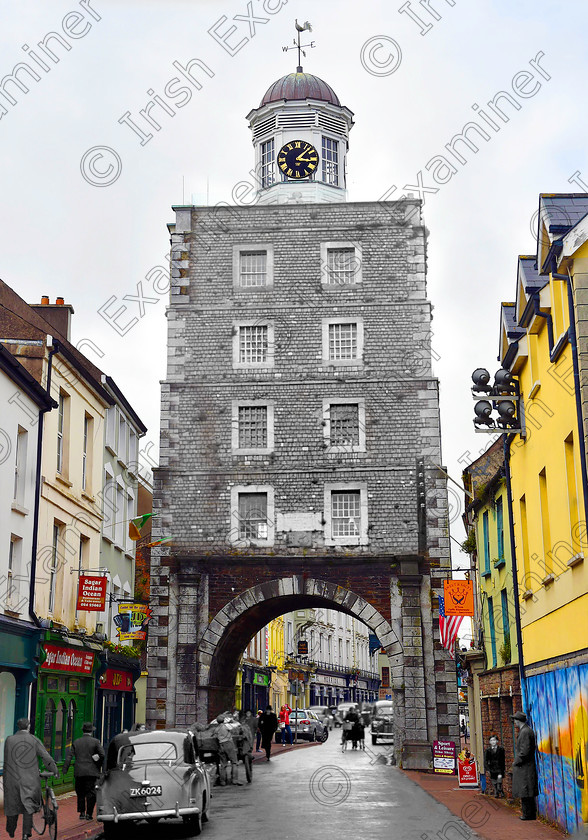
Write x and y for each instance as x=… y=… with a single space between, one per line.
x=411 y=85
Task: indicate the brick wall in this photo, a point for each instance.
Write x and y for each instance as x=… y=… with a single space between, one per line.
x=500 y=692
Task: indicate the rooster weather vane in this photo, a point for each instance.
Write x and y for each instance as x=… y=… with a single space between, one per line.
x=296 y=42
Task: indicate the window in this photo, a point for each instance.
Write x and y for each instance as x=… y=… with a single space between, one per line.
x=62 y=433
x=253 y=268
x=87 y=453
x=82 y=549
x=547 y=544
x=133 y=451
x=492 y=631
x=252 y=513
x=340 y=651
x=253 y=345
x=111 y=428
x=330 y=161
x=267 y=163
x=109 y=505
x=500 y=527
x=252 y=427
x=122 y=438
x=20 y=466
x=572 y=493
x=340 y=264
x=344 y=425
x=120 y=516
x=60 y=728
x=342 y=342
x=13 y=573
x=347 y=652
x=48 y=725
x=505 y=615
x=346 y=514
x=53 y=566
x=486 y=531
x=130 y=513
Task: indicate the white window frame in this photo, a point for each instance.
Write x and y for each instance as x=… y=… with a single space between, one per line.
x=346 y=487
x=355 y=362
x=54 y=567
x=131 y=513
x=63 y=433
x=247 y=247
x=20 y=465
x=111 y=418
x=360 y=403
x=122 y=446
x=336 y=245
x=267 y=162
x=109 y=504
x=269 y=362
x=236 y=405
x=119 y=531
x=236 y=491
x=334 y=164
x=13 y=573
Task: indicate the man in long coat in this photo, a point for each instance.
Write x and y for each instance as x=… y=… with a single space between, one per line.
x=268 y=723
x=524 y=771
x=22 y=783
x=87 y=754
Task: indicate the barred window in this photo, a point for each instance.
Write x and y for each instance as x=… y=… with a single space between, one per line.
x=253 y=523
x=343 y=341
x=253 y=344
x=267 y=163
x=345 y=513
x=330 y=161
x=253 y=268
x=342 y=266
x=252 y=427
x=344 y=424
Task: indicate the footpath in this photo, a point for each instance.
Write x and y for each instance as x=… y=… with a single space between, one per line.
x=70 y=827
x=492 y=819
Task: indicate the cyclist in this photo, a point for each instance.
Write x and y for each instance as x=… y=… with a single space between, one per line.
x=22 y=782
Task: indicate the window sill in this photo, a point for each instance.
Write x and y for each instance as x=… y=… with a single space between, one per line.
x=88 y=497
x=575 y=560
x=108 y=539
x=345 y=450
x=11 y=613
x=63 y=480
x=498 y=564
x=548 y=580
x=251 y=451
x=266 y=366
x=110 y=449
x=336 y=287
x=534 y=389
x=122 y=463
x=486 y=573
x=19 y=509
x=338 y=363
x=528 y=593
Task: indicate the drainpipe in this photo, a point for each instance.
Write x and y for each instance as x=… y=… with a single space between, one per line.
x=515 y=578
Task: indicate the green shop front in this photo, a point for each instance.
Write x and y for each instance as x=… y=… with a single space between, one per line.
x=65 y=695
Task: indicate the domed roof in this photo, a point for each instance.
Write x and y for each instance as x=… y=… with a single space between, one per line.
x=300 y=86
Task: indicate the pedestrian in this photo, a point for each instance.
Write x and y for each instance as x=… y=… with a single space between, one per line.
x=268 y=723
x=494 y=765
x=227 y=749
x=355 y=734
x=22 y=782
x=258 y=739
x=138 y=727
x=247 y=720
x=87 y=753
x=284 y=721
x=524 y=771
x=120 y=740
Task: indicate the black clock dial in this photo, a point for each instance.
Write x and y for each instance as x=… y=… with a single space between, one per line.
x=298 y=159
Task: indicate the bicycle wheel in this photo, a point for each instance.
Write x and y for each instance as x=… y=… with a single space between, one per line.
x=51 y=814
x=39 y=823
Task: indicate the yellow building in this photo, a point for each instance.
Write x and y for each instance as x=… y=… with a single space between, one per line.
x=276 y=660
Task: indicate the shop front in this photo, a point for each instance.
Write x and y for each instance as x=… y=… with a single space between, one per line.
x=255 y=683
x=18 y=648
x=115 y=697
x=327 y=689
x=64 y=696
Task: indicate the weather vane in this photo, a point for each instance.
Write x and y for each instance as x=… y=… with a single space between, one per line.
x=297 y=45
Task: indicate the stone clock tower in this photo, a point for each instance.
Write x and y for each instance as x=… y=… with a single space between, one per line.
x=301 y=137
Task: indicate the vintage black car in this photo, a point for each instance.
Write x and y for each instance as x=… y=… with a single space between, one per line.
x=383 y=721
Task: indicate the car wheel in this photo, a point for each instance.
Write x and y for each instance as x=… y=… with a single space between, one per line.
x=324 y=736
x=193 y=824
x=374 y=740
x=313 y=737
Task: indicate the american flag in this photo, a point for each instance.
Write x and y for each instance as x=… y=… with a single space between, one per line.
x=448 y=627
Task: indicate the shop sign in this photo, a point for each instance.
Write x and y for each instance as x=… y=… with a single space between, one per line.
x=444 y=757
x=467 y=771
x=132 y=620
x=114 y=680
x=67 y=659
x=458 y=597
x=303 y=648
x=92 y=593
x=260 y=679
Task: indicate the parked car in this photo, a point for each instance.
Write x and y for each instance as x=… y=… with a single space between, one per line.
x=157 y=775
x=324 y=714
x=310 y=728
x=383 y=721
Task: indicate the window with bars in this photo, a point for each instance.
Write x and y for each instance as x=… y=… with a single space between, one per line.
x=252 y=423
x=343 y=341
x=252 y=268
x=342 y=266
x=345 y=513
x=253 y=344
x=344 y=424
x=330 y=160
x=253 y=521
x=267 y=163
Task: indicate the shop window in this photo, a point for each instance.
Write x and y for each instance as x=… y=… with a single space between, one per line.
x=60 y=726
x=52 y=684
x=7 y=701
x=48 y=724
x=74 y=686
x=71 y=719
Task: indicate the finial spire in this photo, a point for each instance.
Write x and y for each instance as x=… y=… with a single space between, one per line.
x=297 y=45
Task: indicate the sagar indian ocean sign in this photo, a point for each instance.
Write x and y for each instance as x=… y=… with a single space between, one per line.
x=67 y=659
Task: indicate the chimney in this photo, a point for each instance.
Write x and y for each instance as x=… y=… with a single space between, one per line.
x=57 y=314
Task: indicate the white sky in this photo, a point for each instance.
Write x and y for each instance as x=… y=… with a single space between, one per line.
x=62 y=236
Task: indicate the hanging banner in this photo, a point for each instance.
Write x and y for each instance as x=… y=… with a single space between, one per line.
x=92 y=593
x=459 y=597
x=132 y=620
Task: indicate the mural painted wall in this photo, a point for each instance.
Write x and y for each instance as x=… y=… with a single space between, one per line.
x=558 y=704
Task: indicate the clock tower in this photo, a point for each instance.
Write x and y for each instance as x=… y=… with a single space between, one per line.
x=301 y=137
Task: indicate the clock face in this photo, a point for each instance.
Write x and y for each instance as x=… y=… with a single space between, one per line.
x=298 y=159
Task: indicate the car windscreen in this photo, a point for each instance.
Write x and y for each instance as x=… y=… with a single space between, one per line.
x=148 y=751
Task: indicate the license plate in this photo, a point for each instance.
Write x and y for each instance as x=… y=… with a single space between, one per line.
x=152 y=790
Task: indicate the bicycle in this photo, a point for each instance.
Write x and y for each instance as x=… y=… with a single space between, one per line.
x=46 y=816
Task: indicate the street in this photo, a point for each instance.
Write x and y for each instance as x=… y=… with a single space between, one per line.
x=324 y=792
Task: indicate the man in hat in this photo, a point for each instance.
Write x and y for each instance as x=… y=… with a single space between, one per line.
x=22 y=783
x=524 y=772
x=88 y=755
